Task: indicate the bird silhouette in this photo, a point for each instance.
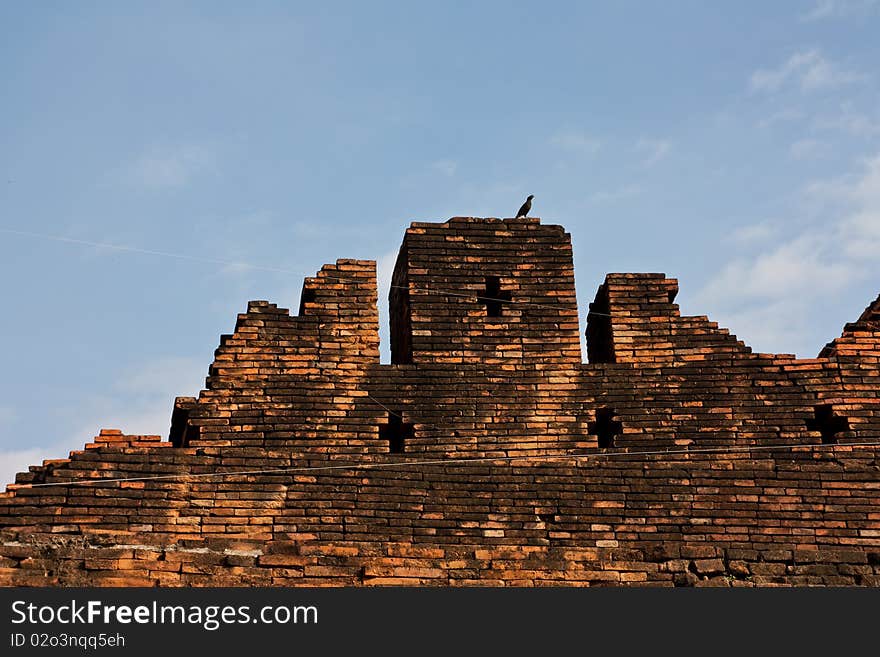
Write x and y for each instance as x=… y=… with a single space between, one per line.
x=524 y=210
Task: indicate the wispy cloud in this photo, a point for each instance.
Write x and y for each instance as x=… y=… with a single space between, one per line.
x=577 y=142
x=794 y=267
x=824 y=9
x=850 y=121
x=139 y=402
x=805 y=149
x=13 y=461
x=753 y=233
x=859 y=231
x=164 y=167
x=614 y=195
x=782 y=116
x=652 y=150
x=162 y=375
x=445 y=167
x=792 y=276
x=152 y=419
x=808 y=69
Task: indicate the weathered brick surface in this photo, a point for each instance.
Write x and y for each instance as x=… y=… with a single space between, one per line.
x=675 y=457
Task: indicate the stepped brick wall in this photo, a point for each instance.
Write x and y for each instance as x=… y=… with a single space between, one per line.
x=487 y=452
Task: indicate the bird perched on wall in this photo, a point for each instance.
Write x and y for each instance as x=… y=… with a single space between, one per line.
x=524 y=210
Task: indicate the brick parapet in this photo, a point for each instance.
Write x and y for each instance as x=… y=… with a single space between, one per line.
x=675 y=456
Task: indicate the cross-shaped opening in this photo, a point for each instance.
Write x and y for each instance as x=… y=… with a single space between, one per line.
x=827 y=423
x=493 y=297
x=606 y=428
x=396 y=432
x=547 y=516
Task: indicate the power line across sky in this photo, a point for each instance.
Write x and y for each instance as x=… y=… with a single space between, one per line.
x=248 y=265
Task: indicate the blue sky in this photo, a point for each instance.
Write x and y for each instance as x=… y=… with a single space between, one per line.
x=735 y=147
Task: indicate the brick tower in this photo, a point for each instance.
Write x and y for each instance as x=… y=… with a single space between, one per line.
x=487 y=291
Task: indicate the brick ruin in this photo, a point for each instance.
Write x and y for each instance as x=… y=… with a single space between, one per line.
x=487 y=453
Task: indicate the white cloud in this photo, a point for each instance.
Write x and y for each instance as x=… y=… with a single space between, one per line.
x=782 y=116
x=865 y=188
x=851 y=122
x=859 y=231
x=808 y=69
x=862 y=234
x=13 y=461
x=805 y=149
x=790 y=268
x=146 y=418
x=839 y=9
x=139 y=402
x=156 y=377
x=790 y=278
x=577 y=142
x=753 y=233
x=445 y=167
x=822 y=9
x=652 y=150
x=170 y=166
x=768 y=327
x=858 y=192
x=150 y=418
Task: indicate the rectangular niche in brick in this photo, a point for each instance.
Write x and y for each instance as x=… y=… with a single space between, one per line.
x=396 y=432
x=401 y=324
x=306 y=297
x=600 y=340
x=182 y=432
x=493 y=297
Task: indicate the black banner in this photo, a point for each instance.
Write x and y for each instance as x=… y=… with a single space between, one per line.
x=408 y=620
